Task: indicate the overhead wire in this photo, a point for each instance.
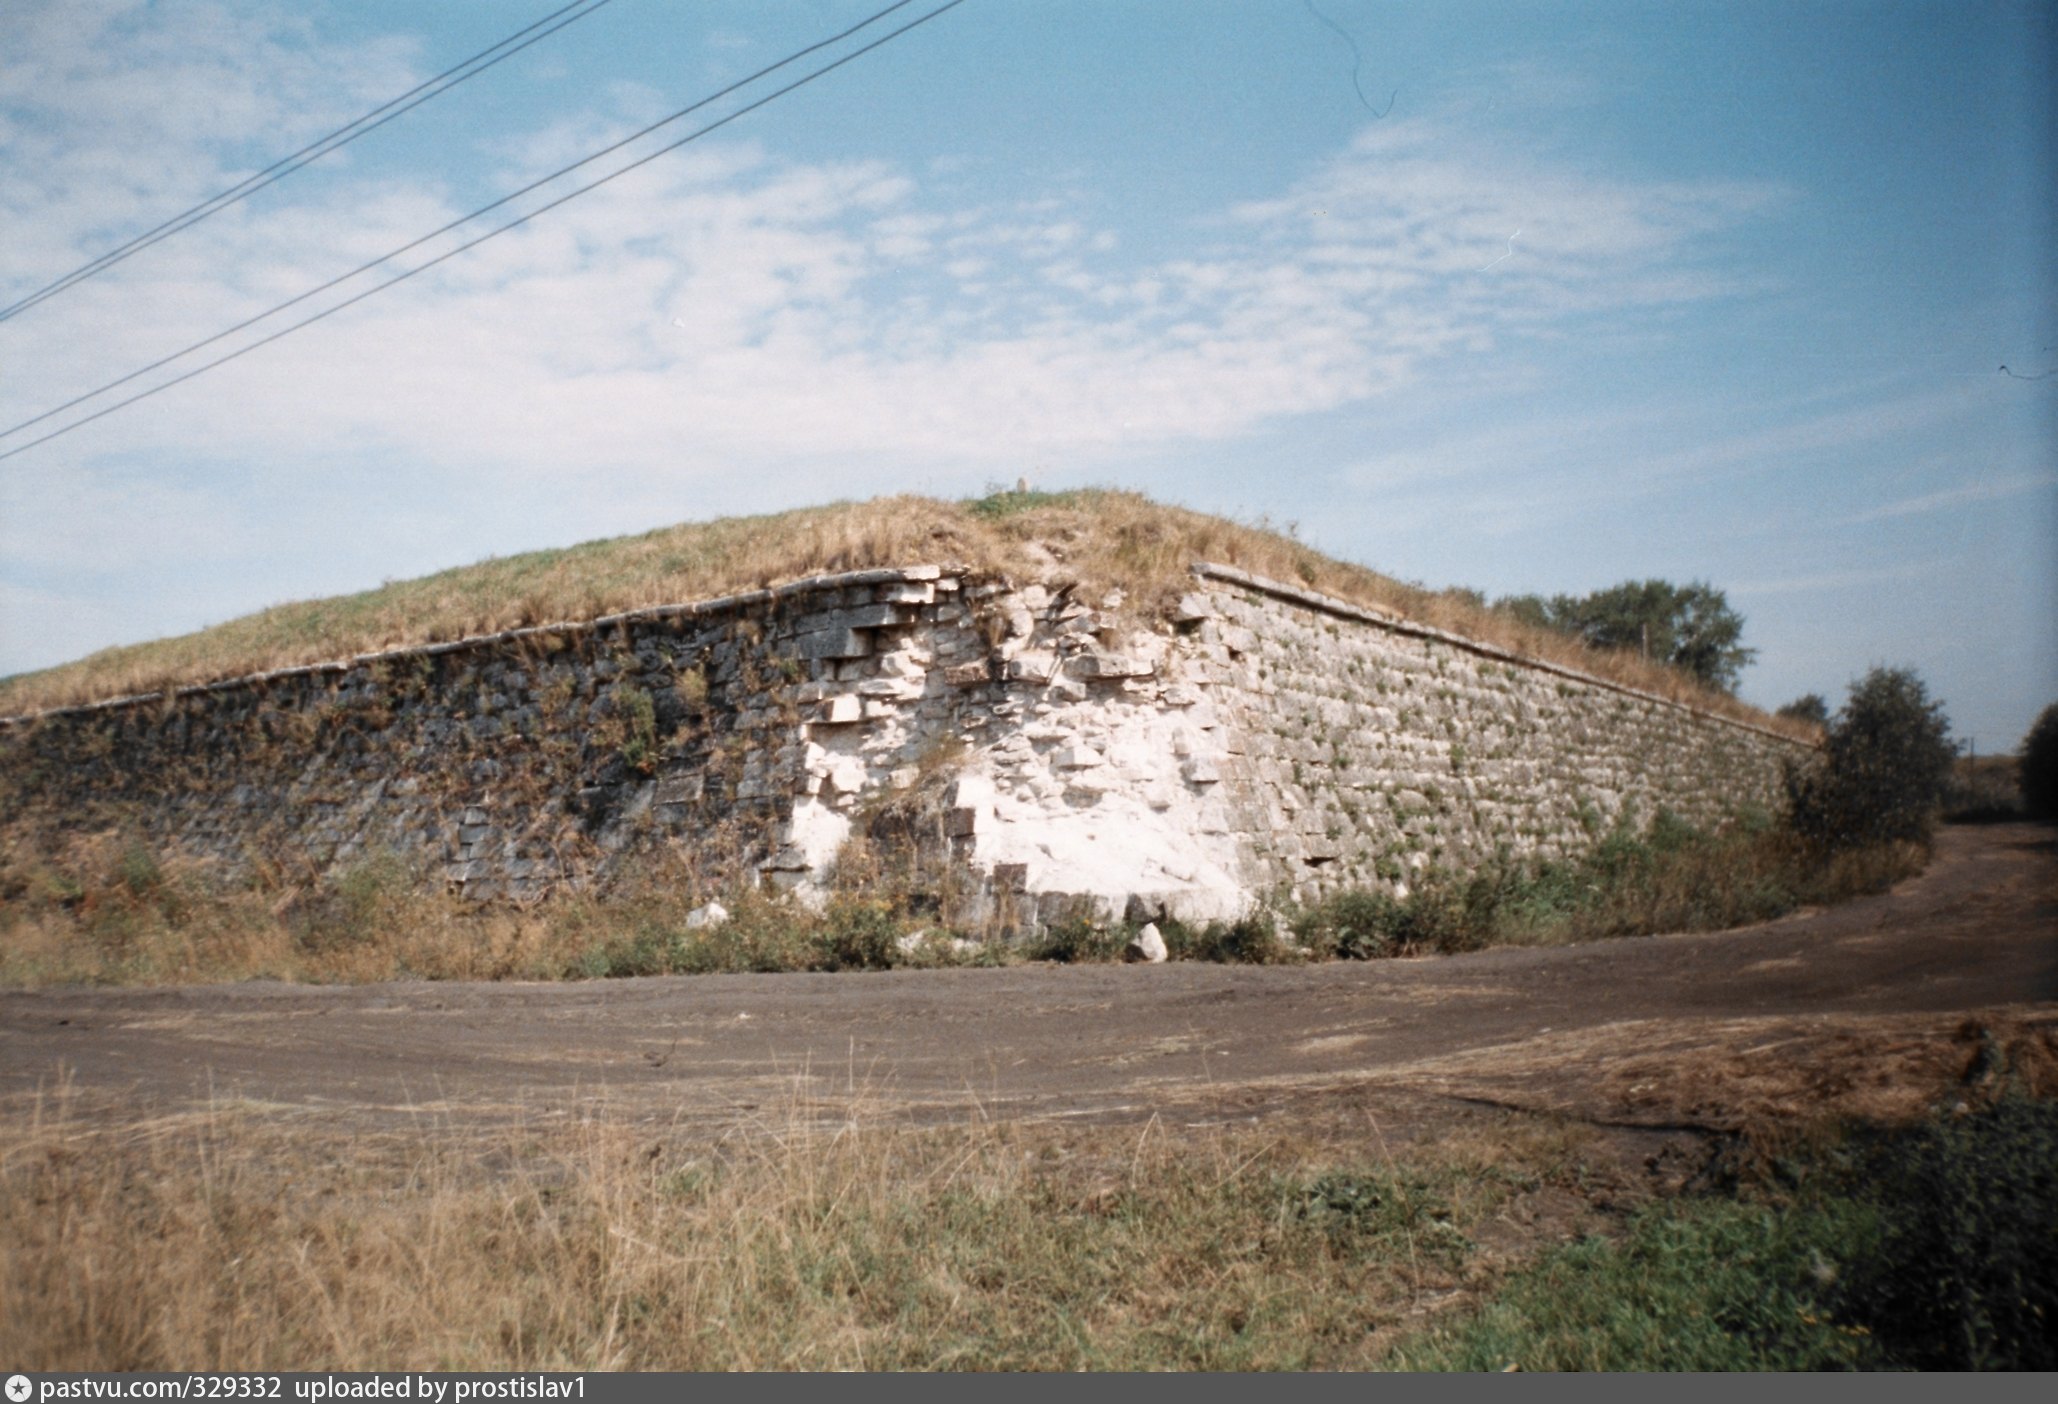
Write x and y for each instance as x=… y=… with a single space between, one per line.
x=495 y=233
x=313 y=151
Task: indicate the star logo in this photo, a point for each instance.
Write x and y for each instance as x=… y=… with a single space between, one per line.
x=19 y=1388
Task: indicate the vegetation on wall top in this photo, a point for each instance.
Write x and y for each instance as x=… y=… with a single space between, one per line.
x=1103 y=539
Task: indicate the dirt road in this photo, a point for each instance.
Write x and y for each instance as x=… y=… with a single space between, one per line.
x=1866 y=1006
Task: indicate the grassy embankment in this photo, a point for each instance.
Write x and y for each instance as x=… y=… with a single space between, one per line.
x=1103 y=539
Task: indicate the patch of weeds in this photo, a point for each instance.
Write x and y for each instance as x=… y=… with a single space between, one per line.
x=359 y=905
x=1965 y=1272
x=1932 y=1248
x=1387 y=1211
x=860 y=932
x=1079 y=941
x=691 y=687
x=636 y=711
x=1252 y=940
x=1002 y=502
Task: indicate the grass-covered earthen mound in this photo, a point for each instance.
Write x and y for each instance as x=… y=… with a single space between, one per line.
x=1103 y=539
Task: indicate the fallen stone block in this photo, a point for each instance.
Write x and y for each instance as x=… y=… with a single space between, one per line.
x=1147 y=946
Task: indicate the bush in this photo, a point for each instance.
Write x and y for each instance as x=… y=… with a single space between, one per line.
x=2039 y=774
x=1808 y=707
x=1359 y=924
x=1248 y=941
x=1933 y=1247
x=1884 y=765
x=1965 y=1276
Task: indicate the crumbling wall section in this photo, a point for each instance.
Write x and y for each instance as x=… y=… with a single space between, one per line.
x=518 y=763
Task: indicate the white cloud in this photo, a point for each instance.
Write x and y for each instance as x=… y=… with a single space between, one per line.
x=2014 y=486
x=1838 y=579
x=723 y=303
x=723 y=325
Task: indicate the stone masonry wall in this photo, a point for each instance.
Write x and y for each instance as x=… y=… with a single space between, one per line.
x=1364 y=748
x=1261 y=743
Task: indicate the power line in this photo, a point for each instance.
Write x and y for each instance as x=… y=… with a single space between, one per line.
x=414 y=97
x=392 y=254
x=695 y=135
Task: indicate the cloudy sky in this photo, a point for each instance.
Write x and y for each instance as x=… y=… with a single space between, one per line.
x=1520 y=297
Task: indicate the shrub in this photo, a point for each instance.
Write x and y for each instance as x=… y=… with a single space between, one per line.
x=861 y=932
x=1966 y=1272
x=1808 y=707
x=1078 y=940
x=2038 y=777
x=1249 y=940
x=1884 y=765
x=1359 y=924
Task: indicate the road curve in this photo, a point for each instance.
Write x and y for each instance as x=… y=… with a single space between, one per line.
x=1978 y=931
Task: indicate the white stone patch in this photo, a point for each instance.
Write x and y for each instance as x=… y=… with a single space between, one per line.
x=713 y=914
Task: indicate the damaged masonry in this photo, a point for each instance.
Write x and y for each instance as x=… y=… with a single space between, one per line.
x=1056 y=757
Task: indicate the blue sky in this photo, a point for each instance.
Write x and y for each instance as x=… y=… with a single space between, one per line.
x=1520 y=297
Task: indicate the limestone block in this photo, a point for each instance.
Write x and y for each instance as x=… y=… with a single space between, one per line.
x=834 y=643
x=1147 y=946
x=1095 y=665
x=1033 y=665
x=969 y=792
x=1077 y=757
x=1019 y=621
x=839 y=710
x=876 y=616
x=904 y=664
x=897 y=689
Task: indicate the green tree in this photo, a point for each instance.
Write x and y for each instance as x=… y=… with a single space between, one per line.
x=2039 y=774
x=1808 y=707
x=1692 y=627
x=1884 y=763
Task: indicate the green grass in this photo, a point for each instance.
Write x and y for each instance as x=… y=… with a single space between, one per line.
x=1691 y=1286
x=1933 y=1247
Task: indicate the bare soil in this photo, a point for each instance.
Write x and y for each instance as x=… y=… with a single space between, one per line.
x=1879 y=1008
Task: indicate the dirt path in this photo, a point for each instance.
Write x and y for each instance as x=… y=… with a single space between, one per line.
x=1871 y=1006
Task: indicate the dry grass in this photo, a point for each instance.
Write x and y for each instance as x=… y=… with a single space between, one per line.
x=1103 y=539
x=104 y=911
x=235 y=1238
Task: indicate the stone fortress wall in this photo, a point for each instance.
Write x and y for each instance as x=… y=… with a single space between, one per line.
x=1262 y=743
